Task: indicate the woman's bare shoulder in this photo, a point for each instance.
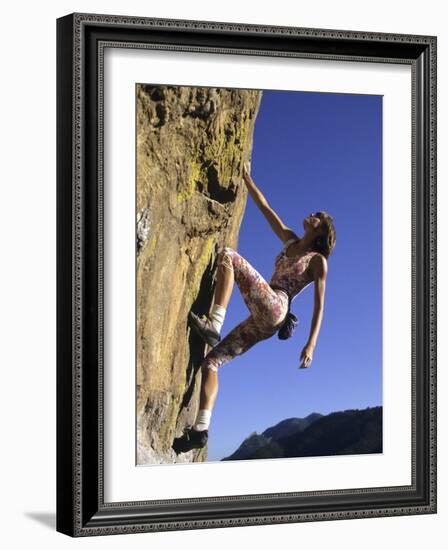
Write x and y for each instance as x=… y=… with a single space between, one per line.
x=318 y=265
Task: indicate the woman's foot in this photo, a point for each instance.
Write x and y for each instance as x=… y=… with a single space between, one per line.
x=204 y=327
x=190 y=439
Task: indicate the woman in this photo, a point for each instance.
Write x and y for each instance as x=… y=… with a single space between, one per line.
x=303 y=260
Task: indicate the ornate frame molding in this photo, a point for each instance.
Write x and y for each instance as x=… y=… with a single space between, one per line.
x=81 y=510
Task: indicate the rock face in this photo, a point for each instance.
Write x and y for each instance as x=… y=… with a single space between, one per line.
x=191 y=145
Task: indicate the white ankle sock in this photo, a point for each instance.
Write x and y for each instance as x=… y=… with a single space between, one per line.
x=217 y=316
x=202 y=420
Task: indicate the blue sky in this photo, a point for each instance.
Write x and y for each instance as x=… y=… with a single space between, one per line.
x=311 y=151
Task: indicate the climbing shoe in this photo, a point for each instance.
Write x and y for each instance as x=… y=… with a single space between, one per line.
x=190 y=439
x=204 y=327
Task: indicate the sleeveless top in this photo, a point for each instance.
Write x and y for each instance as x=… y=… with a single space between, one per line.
x=292 y=273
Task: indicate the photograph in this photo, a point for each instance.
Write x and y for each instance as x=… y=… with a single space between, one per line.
x=258 y=243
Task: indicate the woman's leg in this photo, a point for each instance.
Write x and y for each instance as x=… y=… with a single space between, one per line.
x=224 y=281
x=209 y=389
x=267 y=307
x=267 y=311
x=237 y=342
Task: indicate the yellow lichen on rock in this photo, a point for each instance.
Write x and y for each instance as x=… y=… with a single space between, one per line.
x=194 y=174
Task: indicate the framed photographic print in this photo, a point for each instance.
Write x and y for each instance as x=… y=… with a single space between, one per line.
x=246 y=274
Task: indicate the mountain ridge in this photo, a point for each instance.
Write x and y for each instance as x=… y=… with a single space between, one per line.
x=351 y=431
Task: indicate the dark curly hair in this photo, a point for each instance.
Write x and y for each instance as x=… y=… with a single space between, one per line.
x=326 y=242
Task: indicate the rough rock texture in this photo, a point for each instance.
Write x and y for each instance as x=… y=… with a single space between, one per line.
x=191 y=145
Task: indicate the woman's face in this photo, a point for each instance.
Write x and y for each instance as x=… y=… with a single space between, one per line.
x=313 y=221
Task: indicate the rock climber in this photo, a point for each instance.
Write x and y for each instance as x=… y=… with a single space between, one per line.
x=302 y=260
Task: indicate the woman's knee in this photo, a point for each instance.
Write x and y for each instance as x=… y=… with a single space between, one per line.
x=227 y=251
x=208 y=368
x=225 y=257
x=210 y=363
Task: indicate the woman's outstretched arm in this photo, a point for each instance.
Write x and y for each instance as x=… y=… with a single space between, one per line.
x=280 y=229
x=319 y=269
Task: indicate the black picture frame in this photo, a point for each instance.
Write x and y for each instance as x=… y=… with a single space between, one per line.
x=81 y=510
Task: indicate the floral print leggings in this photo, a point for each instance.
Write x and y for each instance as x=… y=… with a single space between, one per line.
x=267 y=308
